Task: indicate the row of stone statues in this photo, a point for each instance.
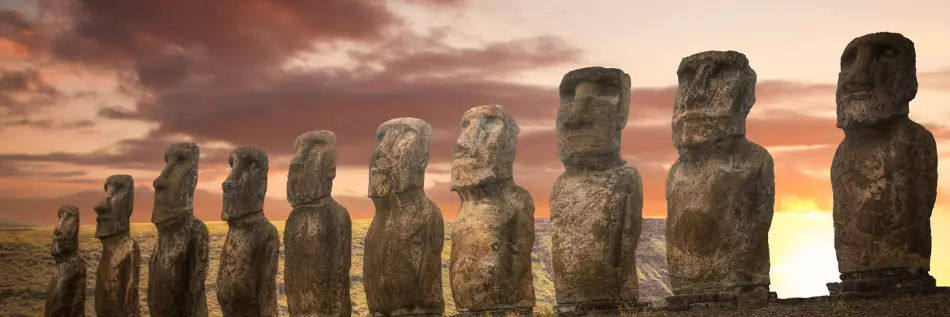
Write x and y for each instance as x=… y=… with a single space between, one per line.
x=720 y=195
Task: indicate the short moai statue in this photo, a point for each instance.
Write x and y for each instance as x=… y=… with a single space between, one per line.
x=179 y=263
x=884 y=173
x=318 y=233
x=66 y=295
x=720 y=192
x=596 y=204
x=490 y=264
x=117 y=277
x=402 y=262
x=247 y=275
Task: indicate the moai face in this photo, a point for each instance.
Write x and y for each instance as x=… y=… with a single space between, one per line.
x=114 y=210
x=66 y=231
x=175 y=187
x=246 y=185
x=716 y=92
x=485 y=150
x=878 y=79
x=595 y=102
x=312 y=168
x=400 y=158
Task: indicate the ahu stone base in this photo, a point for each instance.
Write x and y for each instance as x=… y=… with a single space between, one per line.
x=720 y=298
x=609 y=308
x=881 y=281
x=504 y=312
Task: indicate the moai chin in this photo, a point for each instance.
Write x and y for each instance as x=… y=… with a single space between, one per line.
x=402 y=265
x=247 y=275
x=720 y=192
x=490 y=264
x=117 y=278
x=318 y=233
x=66 y=295
x=179 y=263
x=884 y=173
x=596 y=204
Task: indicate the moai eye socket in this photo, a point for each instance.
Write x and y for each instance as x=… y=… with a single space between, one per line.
x=848 y=57
x=885 y=51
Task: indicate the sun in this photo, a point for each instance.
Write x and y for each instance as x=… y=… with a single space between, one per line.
x=801 y=242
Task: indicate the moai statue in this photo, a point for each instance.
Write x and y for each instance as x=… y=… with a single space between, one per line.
x=66 y=295
x=179 y=262
x=117 y=278
x=884 y=173
x=247 y=276
x=490 y=265
x=402 y=262
x=318 y=233
x=720 y=192
x=596 y=204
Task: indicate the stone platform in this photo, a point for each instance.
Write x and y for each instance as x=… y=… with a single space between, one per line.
x=720 y=298
x=609 y=308
x=881 y=281
x=506 y=312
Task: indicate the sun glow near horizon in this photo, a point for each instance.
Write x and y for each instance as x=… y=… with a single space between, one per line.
x=801 y=243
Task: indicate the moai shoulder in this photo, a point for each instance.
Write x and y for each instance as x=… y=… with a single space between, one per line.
x=66 y=294
x=117 y=277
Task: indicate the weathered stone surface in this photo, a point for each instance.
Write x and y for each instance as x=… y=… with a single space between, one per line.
x=66 y=294
x=402 y=265
x=318 y=233
x=247 y=275
x=117 y=278
x=490 y=264
x=720 y=192
x=884 y=173
x=179 y=263
x=596 y=204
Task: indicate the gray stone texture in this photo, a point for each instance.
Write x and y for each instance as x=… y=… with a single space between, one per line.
x=318 y=233
x=402 y=266
x=490 y=264
x=66 y=294
x=117 y=277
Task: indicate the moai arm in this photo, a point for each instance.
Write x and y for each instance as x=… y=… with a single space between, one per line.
x=632 y=223
x=125 y=277
x=195 y=299
x=755 y=223
x=267 y=286
x=79 y=288
x=523 y=241
x=57 y=305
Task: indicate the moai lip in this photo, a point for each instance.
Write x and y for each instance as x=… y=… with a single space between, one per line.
x=318 y=232
x=490 y=264
x=117 y=277
x=884 y=173
x=402 y=265
x=66 y=294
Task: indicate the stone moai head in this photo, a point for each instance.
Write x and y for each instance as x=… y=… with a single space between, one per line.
x=175 y=187
x=485 y=150
x=66 y=231
x=595 y=102
x=716 y=92
x=246 y=185
x=400 y=158
x=114 y=210
x=312 y=168
x=878 y=79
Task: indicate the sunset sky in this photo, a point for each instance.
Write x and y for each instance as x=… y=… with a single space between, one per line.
x=94 y=88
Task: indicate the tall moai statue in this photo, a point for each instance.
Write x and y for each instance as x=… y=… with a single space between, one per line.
x=402 y=262
x=490 y=264
x=247 y=275
x=596 y=204
x=318 y=233
x=884 y=173
x=117 y=278
x=720 y=192
x=66 y=295
x=179 y=263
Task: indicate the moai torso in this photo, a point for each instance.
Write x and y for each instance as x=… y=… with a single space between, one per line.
x=179 y=263
x=66 y=294
x=318 y=233
x=402 y=267
x=492 y=239
x=117 y=277
x=596 y=205
x=720 y=192
x=247 y=273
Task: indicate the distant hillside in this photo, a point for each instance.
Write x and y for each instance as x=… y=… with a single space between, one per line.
x=25 y=266
x=10 y=224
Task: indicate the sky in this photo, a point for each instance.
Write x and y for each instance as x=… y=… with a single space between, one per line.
x=94 y=88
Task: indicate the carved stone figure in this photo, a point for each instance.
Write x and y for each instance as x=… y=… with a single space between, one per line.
x=117 y=278
x=720 y=192
x=884 y=173
x=179 y=262
x=247 y=275
x=317 y=235
x=402 y=265
x=66 y=295
x=596 y=204
x=490 y=265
